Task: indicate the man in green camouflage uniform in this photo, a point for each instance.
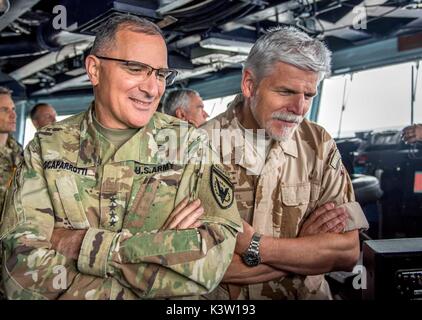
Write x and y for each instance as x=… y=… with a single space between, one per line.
x=100 y=207
x=10 y=149
x=295 y=197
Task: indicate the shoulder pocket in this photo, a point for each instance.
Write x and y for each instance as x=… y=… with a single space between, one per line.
x=71 y=201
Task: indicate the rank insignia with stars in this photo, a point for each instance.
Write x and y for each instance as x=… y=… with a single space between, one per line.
x=221 y=187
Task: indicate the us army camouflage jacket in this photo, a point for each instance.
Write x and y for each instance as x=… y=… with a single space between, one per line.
x=275 y=193
x=72 y=177
x=10 y=156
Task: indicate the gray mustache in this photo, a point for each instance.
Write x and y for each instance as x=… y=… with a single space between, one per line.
x=289 y=117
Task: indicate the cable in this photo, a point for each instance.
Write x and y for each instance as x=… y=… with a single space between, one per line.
x=346 y=95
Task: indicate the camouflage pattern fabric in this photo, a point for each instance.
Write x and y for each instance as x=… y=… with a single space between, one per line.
x=10 y=156
x=276 y=193
x=72 y=177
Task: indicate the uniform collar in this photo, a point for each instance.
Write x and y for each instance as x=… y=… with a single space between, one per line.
x=93 y=147
x=289 y=147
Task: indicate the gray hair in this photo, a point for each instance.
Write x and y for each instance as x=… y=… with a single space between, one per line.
x=105 y=37
x=6 y=91
x=289 y=45
x=179 y=98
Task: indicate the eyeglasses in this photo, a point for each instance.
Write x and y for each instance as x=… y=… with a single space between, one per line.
x=143 y=71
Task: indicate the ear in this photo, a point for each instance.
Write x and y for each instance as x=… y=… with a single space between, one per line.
x=92 y=64
x=180 y=113
x=248 y=83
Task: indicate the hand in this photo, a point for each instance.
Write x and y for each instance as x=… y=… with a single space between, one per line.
x=67 y=242
x=325 y=219
x=244 y=238
x=185 y=215
x=412 y=133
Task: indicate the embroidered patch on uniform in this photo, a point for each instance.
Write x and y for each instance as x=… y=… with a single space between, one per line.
x=221 y=187
x=335 y=160
x=63 y=165
x=148 y=169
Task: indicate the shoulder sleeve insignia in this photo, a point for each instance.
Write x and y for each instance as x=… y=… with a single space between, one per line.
x=221 y=187
x=335 y=160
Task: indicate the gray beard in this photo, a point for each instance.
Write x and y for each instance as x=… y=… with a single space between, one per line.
x=286 y=134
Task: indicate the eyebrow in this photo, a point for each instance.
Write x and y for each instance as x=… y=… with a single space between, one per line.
x=310 y=94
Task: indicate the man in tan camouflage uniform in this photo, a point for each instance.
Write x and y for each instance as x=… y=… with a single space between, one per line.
x=10 y=149
x=300 y=215
x=100 y=205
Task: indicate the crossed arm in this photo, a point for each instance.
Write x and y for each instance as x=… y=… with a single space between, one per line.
x=184 y=216
x=320 y=247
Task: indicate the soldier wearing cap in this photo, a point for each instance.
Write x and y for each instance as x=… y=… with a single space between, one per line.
x=118 y=202
x=300 y=218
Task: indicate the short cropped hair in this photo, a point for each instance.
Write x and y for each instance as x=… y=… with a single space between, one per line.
x=35 y=109
x=289 y=45
x=106 y=35
x=179 y=98
x=5 y=91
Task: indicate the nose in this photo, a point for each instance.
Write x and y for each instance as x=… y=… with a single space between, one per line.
x=297 y=104
x=205 y=114
x=151 y=86
x=13 y=114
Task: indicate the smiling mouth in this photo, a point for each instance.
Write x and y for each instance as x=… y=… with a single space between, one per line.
x=144 y=105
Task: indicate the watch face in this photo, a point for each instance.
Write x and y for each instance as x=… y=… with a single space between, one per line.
x=251 y=259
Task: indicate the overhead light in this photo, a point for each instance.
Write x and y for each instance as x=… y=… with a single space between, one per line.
x=226 y=45
x=206 y=56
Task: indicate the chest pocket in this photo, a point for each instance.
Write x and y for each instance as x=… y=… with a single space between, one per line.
x=153 y=197
x=71 y=202
x=297 y=202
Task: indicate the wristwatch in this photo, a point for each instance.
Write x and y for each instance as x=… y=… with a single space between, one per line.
x=251 y=256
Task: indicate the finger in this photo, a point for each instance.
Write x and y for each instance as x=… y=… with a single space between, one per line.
x=197 y=224
x=191 y=218
x=177 y=210
x=182 y=204
x=190 y=208
x=321 y=210
x=327 y=216
x=338 y=228
x=334 y=223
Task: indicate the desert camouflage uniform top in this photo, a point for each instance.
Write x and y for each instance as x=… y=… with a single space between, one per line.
x=72 y=177
x=10 y=155
x=295 y=178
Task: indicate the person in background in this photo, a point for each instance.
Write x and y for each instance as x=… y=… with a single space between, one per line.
x=10 y=152
x=186 y=104
x=412 y=134
x=10 y=149
x=42 y=114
